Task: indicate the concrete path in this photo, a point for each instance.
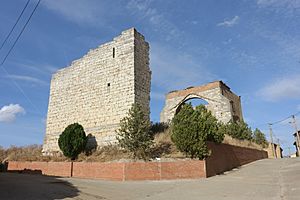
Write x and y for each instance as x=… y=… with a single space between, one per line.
x=264 y=179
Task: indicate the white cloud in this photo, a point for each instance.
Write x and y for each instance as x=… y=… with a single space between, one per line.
x=157 y=20
x=284 y=88
x=9 y=113
x=285 y=8
x=280 y=4
x=78 y=11
x=173 y=69
x=27 y=78
x=231 y=22
x=41 y=68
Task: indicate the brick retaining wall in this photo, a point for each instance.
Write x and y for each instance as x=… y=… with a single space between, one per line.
x=224 y=157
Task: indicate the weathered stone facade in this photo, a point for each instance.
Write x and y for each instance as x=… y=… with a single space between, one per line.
x=98 y=89
x=222 y=102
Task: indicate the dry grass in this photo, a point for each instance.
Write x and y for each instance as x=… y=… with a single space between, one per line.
x=163 y=148
x=241 y=143
x=105 y=154
x=26 y=153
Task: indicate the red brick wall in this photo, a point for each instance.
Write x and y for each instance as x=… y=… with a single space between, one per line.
x=183 y=169
x=116 y=171
x=142 y=171
x=47 y=168
x=105 y=171
x=225 y=157
x=58 y=169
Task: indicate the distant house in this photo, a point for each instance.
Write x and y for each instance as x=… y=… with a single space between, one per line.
x=297 y=142
x=274 y=150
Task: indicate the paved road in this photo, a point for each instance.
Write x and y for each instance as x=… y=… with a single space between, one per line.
x=264 y=179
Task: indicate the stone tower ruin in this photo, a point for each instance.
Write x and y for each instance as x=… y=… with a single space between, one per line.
x=98 y=89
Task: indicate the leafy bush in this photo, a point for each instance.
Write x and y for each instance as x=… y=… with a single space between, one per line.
x=158 y=127
x=72 y=141
x=238 y=130
x=191 y=129
x=134 y=133
x=260 y=138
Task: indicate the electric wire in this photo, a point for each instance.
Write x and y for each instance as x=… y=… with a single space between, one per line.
x=3 y=43
x=15 y=42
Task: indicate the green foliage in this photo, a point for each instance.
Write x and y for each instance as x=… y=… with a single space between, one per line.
x=158 y=127
x=260 y=138
x=238 y=130
x=192 y=128
x=134 y=133
x=72 y=141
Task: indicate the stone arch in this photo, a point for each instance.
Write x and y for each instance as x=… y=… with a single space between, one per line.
x=187 y=98
x=223 y=103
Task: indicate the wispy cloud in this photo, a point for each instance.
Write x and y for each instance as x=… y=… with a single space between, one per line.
x=157 y=95
x=9 y=113
x=286 y=7
x=231 y=22
x=42 y=68
x=27 y=79
x=173 y=69
x=144 y=10
x=284 y=88
x=80 y=12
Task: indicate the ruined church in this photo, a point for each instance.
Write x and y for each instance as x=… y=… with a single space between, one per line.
x=98 y=89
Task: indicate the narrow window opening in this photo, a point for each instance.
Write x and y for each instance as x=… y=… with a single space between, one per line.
x=108 y=84
x=114 y=52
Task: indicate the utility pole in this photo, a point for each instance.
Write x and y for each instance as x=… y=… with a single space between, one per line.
x=271 y=138
x=297 y=135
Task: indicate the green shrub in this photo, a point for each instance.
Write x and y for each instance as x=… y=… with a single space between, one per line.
x=134 y=133
x=260 y=138
x=158 y=127
x=238 y=130
x=191 y=129
x=72 y=141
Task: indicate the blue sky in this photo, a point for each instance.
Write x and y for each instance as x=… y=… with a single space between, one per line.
x=252 y=45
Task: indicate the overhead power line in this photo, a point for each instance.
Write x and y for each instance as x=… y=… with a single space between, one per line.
x=21 y=32
x=15 y=42
x=277 y=122
x=10 y=32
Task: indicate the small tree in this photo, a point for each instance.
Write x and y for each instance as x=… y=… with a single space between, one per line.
x=134 y=133
x=72 y=141
x=260 y=138
x=192 y=128
x=239 y=130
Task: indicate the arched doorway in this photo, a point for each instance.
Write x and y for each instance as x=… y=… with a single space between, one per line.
x=195 y=101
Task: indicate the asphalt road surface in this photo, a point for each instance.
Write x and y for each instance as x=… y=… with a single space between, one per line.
x=264 y=179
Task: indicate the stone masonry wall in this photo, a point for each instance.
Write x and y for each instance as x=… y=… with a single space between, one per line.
x=223 y=104
x=98 y=89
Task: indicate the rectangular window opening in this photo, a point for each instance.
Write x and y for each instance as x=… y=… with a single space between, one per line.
x=114 y=52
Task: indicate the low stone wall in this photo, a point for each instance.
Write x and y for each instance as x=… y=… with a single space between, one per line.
x=223 y=157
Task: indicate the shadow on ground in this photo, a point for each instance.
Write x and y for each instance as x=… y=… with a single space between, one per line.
x=35 y=187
